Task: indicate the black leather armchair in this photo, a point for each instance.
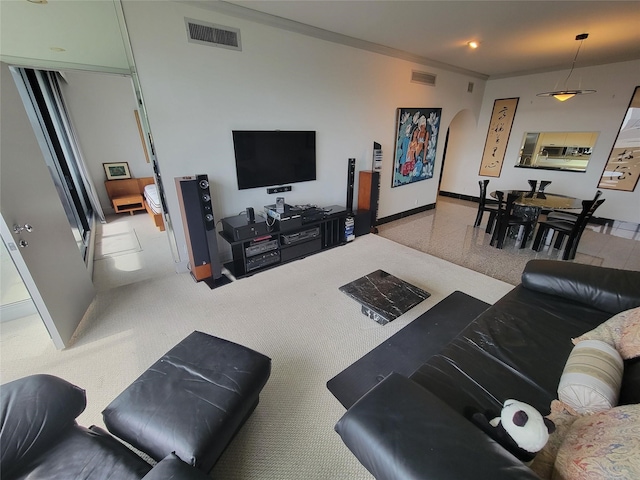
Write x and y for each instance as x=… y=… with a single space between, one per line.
x=40 y=438
x=182 y=412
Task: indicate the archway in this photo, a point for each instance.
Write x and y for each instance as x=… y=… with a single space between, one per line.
x=459 y=133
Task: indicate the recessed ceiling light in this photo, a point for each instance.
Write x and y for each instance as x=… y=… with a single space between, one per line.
x=473 y=44
x=57 y=49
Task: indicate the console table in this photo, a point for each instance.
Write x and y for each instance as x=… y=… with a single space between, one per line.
x=128 y=203
x=254 y=255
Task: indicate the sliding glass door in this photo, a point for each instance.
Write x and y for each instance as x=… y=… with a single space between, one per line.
x=46 y=110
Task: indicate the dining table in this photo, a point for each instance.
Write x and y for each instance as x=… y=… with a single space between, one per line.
x=529 y=204
x=542 y=200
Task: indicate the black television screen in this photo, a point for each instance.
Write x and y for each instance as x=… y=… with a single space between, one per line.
x=267 y=158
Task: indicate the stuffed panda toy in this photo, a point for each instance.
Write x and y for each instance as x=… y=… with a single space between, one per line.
x=520 y=428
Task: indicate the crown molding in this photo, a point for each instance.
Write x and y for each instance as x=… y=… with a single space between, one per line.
x=319 y=33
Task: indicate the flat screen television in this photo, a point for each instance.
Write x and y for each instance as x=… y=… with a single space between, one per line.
x=276 y=157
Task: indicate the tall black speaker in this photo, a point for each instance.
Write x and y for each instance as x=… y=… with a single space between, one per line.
x=351 y=179
x=199 y=224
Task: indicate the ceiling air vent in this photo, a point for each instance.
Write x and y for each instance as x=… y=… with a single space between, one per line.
x=424 y=78
x=213 y=35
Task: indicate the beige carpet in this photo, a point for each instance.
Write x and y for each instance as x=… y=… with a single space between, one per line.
x=294 y=314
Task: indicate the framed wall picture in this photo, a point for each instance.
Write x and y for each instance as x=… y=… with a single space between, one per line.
x=622 y=169
x=117 y=171
x=416 y=144
x=504 y=111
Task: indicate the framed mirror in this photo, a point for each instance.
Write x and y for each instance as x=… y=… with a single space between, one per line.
x=570 y=151
x=623 y=166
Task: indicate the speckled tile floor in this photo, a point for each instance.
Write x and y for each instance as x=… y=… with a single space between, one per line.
x=447 y=232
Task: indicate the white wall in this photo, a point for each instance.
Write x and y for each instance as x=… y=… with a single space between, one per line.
x=600 y=112
x=196 y=95
x=101 y=107
x=15 y=300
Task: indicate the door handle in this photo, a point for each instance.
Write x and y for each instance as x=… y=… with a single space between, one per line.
x=20 y=228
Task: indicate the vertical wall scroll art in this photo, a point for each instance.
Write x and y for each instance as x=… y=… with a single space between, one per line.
x=623 y=167
x=416 y=144
x=504 y=111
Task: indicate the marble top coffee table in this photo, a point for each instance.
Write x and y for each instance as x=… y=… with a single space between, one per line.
x=384 y=297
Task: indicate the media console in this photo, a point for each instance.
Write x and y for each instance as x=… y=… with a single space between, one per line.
x=279 y=246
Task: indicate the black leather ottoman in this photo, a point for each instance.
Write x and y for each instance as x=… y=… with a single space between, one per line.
x=192 y=401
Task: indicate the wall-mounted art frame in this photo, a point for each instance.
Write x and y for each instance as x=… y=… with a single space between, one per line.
x=622 y=169
x=416 y=144
x=117 y=170
x=495 y=146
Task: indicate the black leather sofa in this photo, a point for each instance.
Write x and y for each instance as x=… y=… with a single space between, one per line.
x=419 y=427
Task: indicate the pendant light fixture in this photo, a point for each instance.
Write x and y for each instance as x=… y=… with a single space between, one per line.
x=566 y=94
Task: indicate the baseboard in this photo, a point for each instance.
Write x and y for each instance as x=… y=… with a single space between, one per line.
x=182 y=266
x=408 y=213
x=15 y=310
x=91 y=248
x=459 y=196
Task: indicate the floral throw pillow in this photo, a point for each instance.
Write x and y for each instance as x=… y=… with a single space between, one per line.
x=602 y=445
x=622 y=331
x=563 y=417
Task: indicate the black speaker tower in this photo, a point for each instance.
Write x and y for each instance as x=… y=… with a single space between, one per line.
x=351 y=178
x=199 y=224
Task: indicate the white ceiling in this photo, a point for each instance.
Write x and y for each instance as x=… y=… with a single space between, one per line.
x=89 y=31
x=516 y=36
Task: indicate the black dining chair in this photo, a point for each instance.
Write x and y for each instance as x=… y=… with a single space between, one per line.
x=506 y=219
x=568 y=215
x=563 y=228
x=543 y=184
x=483 y=206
